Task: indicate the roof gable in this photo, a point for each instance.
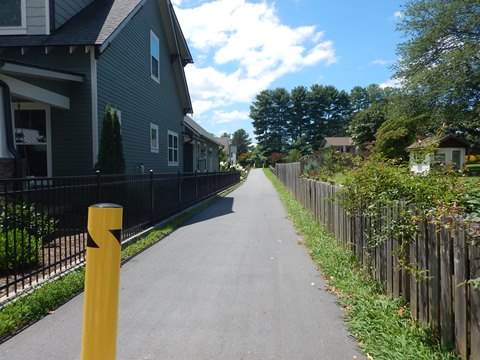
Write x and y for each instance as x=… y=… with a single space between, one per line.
x=200 y=131
x=446 y=141
x=337 y=141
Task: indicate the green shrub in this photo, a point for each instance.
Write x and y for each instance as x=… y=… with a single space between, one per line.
x=25 y=217
x=18 y=249
x=473 y=169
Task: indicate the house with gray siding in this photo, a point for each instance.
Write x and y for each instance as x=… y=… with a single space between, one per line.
x=62 y=62
x=201 y=149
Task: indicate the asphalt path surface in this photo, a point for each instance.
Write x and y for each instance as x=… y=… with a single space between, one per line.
x=232 y=283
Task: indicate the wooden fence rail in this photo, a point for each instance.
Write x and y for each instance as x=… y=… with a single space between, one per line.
x=443 y=300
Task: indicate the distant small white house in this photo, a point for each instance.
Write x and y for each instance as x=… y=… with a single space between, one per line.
x=451 y=150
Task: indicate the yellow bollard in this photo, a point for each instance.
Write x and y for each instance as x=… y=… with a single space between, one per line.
x=102 y=278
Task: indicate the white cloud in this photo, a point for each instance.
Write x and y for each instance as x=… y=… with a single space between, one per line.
x=251 y=48
x=393 y=83
x=224 y=117
x=380 y=62
x=398 y=15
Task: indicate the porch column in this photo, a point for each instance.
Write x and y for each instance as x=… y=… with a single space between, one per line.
x=7 y=162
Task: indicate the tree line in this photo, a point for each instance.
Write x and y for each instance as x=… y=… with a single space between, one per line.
x=439 y=73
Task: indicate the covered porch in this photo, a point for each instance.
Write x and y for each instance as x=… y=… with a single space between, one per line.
x=30 y=97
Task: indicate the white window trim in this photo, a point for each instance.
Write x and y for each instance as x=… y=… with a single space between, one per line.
x=152 y=34
x=17 y=30
x=172 y=163
x=153 y=149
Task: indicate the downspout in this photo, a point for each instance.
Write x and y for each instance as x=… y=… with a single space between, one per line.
x=9 y=128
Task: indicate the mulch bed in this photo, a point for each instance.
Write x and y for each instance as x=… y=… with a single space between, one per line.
x=58 y=256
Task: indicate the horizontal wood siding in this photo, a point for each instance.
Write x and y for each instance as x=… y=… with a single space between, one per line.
x=446 y=255
x=66 y=9
x=71 y=130
x=36 y=20
x=124 y=82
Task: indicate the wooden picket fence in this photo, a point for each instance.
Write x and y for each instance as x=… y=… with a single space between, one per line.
x=446 y=257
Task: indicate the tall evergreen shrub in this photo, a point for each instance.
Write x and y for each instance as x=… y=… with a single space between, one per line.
x=110 y=158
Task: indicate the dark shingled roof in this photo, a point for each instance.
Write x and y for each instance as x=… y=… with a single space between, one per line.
x=92 y=26
x=201 y=131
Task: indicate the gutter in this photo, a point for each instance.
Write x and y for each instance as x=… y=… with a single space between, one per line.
x=9 y=128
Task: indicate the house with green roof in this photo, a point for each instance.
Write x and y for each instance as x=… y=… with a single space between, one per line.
x=62 y=62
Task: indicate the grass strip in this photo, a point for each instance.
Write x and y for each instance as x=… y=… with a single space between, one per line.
x=43 y=300
x=382 y=325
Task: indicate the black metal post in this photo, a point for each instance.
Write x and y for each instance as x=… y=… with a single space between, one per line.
x=152 y=197
x=196 y=185
x=98 y=186
x=179 y=184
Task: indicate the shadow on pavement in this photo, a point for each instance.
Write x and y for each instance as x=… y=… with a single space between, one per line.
x=220 y=208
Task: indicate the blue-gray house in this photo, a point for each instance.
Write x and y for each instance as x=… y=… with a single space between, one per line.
x=62 y=62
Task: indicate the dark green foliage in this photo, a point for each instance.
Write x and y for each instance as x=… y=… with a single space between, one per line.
x=300 y=119
x=395 y=134
x=257 y=157
x=269 y=114
x=110 y=158
x=328 y=110
x=242 y=141
x=293 y=155
x=365 y=123
x=440 y=57
x=25 y=217
x=18 y=249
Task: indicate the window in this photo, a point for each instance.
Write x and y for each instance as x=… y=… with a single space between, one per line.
x=154 y=138
x=154 y=57
x=172 y=148
x=13 y=17
x=441 y=158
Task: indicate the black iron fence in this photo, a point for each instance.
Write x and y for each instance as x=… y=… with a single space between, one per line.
x=44 y=220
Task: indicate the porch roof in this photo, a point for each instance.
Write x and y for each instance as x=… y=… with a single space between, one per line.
x=200 y=131
x=31 y=70
x=11 y=70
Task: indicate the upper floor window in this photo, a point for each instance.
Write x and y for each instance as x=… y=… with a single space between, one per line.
x=154 y=57
x=13 y=17
x=172 y=148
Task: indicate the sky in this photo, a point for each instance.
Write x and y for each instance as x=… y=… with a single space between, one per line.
x=241 y=47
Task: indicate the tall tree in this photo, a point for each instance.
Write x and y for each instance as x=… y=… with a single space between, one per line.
x=362 y=98
x=328 y=110
x=366 y=122
x=242 y=141
x=261 y=112
x=396 y=133
x=440 y=57
x=270 y=113
x=299 y=120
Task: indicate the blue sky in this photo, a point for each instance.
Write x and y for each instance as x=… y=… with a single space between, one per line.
x=241 y=47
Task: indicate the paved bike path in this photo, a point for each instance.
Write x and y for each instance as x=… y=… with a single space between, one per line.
x=232 y=283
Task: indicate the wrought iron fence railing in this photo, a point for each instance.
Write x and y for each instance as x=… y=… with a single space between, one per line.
x=44 y=220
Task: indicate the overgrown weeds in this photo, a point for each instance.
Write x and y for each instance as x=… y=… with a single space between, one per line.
x=382 y=325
